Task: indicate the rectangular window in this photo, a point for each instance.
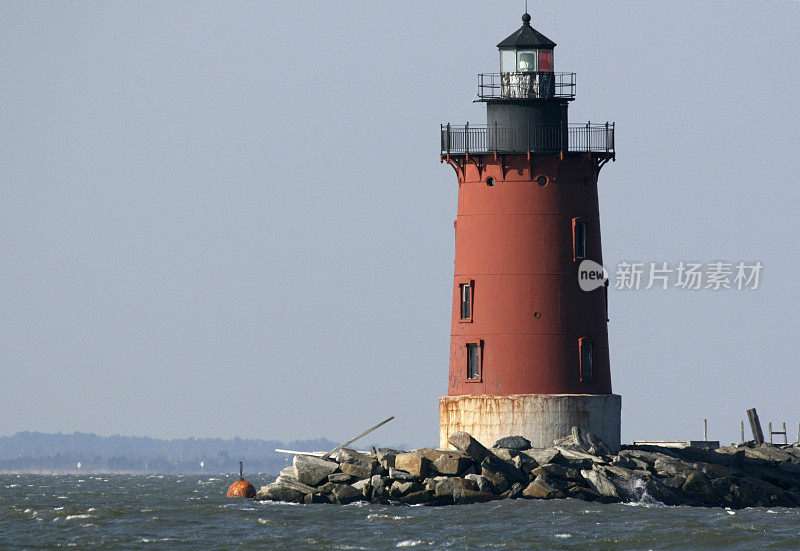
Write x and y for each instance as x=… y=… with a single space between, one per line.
x=587 y=368
x=526 y=61
x=466 y=301
x=473 y=361
x=546 y=60
x=579 y=236
x=508 y=61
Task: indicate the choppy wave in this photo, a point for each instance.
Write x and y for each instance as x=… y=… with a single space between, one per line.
x=124 y=511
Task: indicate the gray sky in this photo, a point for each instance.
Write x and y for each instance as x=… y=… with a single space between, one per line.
x=229 y=219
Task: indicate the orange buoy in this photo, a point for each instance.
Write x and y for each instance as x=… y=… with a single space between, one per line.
x=241 y=488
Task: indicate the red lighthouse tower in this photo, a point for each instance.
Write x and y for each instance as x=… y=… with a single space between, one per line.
x=529 y=348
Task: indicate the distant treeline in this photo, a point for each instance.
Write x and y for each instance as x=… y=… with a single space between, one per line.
x=38 y=452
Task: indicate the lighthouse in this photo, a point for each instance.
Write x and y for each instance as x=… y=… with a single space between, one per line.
x=529 y=348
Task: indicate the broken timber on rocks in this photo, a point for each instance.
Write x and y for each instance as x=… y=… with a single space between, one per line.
x=579 y=466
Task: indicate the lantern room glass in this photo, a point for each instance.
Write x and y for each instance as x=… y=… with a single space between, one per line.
x=508 y=61
x=546 y=60
x=527 y=61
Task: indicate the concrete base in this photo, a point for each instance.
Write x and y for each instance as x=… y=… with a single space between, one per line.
x=541 y=418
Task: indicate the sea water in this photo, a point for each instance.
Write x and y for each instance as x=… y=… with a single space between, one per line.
x=192 y=512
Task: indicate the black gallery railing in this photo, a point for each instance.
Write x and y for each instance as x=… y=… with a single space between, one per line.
x=575 y=137
x=516 y=86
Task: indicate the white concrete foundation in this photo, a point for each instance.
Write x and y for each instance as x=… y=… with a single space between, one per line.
x=541 y=418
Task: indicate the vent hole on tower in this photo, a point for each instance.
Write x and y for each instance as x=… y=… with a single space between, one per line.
x=537 y=315
x=490 y=181
x=542 y=180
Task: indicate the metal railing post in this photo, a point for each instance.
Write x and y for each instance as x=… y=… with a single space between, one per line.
x=466 y=138
x=588 y=136
x=448 y=138
x=495 y=136
x=606 y=136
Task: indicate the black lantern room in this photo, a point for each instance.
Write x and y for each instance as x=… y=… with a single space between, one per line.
x=526 y=102
x=526 y=51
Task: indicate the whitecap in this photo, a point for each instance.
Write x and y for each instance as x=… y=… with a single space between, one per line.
x=90 y=509
x=84 y=515
x=62 y=497
x=563 y=535
x=380 y=516
x=409 y=543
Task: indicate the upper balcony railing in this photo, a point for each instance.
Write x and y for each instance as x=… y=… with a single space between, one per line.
x=538 y=85
x=539 y=138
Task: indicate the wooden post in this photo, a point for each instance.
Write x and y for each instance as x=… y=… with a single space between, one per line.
x=785 y=436
x=755 y=426
x=742 y=432
x=705 y=430
x=770 y=432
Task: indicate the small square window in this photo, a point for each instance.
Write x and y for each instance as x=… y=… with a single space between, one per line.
x=466 y=301
x=473 y=361
x=579 y=236
x=587 y=367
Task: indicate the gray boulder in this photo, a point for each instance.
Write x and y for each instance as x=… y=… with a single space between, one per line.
x=513 y=443
x=449 y=485
x=482 y=482
x=464 y=442
x=539 y=489
x=515 y=491
x=379 y=485
x=340 y=478
x=386 y=457
x=466 y=497
x=344 y=494
x=412 y=463
x=312 y=470
x=358 y=468
x=500 y=474
x=584 y=441
x=601 y=484
x=417 y=498
x=451 y=464
x=399 y=489
x=543 y=455
x=279 y=492
x=397 y=474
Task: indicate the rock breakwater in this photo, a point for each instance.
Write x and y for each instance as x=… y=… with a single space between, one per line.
x=578 y=466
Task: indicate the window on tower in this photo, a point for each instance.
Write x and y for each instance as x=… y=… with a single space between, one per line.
x=579 y=237
x=474 y=360
x=466 y=300
x=586 y=352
